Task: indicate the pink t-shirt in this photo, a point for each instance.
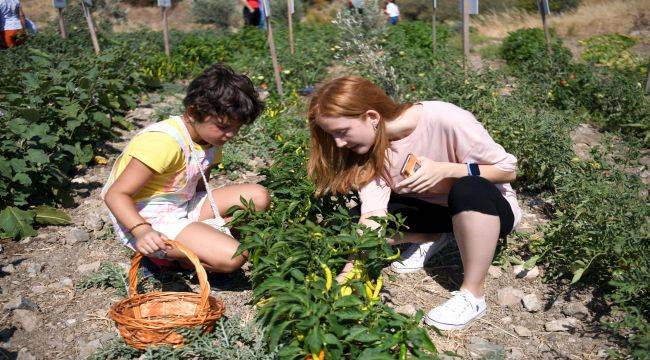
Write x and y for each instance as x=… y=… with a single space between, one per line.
x=444 y=133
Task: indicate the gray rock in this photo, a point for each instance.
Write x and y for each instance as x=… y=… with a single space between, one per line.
x=407 y=309
x=87 y=349
x=479 y=348
x=94 y=222
x=77 y=235
x=93 y=266
x=565 y=324
x=506 y=320
x=24 y=354
x=576 y=310
x=19 y=303
x=38 y=289
x=34 y=268
x=66 y=282
x=70 y=322
x=9 y=269
x=495 y=271
x=1 y=249
x=515 y=354
x=531 y=303
x=27 y=319
x=523 y=331
x=509 y=296
x=26 y=240
x=521 y=273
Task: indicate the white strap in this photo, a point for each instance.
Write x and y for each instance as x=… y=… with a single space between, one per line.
x=213 y=204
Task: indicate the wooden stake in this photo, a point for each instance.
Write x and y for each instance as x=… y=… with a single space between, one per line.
x=542 y=11
x=274 y=57
x=647 y=83
x=64 y=33
x=290 y=16
x=91 y=27
x=433 y=27
x=164 y=10
x=465 y=8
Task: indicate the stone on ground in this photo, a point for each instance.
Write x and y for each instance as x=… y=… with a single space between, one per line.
x=509 y=296
x=565 y=324
x=531 y=303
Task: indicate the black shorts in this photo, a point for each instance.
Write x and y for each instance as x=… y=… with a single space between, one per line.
x=469 y=193
x=251 y=17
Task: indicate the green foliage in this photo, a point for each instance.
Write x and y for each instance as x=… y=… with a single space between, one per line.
x=526 y=50
x=229 y=340
x=222 y=13
x=108 y=276
x=610 y=50
x=16 y=223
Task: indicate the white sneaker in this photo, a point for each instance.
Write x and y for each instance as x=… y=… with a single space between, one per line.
x=457 y=312
x=416 y=255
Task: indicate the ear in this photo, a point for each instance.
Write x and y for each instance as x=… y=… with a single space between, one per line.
x=373 y=117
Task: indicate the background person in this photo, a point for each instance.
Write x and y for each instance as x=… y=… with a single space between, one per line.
x=12 y=23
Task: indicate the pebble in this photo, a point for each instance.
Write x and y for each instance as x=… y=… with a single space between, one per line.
x=94 y=222
x=70 y=322
x=531 y=303
x=66 y=282
x=87 y=349
x=506 y=320
x=523 y=331
x=38 y=289
x=1 y=249
x=24 y=354
x=495 y=271
x=27 y=319
x=407 y=309
x=19 y=303
x=576 y=310
x=77 y=235
x=34 y=268
x=480 y=349
x=93 y=266
x=509 y=296
x=515 y=354
x=565 y=324
x=528 y=274
x=26 y=240
x=9 y=269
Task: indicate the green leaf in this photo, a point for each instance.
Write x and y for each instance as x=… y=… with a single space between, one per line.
x=50 y=216
x=531 y=262
x=17 y=223
x=23 y=179
x=37 y=156
x=577 y=274
x=313 y=340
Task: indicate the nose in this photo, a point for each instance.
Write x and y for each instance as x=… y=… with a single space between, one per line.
x=340 y=142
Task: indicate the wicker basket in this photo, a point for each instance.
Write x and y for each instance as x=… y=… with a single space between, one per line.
x=152 y=318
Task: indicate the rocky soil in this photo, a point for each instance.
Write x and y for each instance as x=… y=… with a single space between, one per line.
x=45 y=315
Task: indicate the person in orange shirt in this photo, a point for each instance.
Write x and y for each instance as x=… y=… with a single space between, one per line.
x=12 y=23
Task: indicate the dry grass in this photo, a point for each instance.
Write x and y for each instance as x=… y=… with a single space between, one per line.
x=593 y=17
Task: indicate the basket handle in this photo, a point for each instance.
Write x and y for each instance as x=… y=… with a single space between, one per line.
x=200 y=272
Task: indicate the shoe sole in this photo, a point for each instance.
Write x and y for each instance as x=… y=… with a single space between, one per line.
x=439 y=246
x=442 y=326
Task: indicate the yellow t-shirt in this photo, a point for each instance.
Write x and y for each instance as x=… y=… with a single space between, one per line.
x=164 y=155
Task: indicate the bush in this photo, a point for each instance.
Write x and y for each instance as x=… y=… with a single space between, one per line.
x=554 y=5
x=610 y=50
x=279 y=10
x=225 y=14
x=526 y=50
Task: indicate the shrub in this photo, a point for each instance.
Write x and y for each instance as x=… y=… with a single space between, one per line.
x=526 y=50
x=610 y=50
x=225 y=14
x=279 y=10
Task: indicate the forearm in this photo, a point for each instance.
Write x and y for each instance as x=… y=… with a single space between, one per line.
x=490 y=172
x=123 y=208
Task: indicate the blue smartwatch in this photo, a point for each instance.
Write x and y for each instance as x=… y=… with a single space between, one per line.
x=473 y=169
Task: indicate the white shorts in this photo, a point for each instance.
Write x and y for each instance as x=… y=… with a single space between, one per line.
x=172 y=227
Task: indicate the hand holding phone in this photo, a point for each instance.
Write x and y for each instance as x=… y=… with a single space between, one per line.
x=410 y=166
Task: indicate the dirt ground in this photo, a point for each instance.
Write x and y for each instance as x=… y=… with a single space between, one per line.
x=46 y=316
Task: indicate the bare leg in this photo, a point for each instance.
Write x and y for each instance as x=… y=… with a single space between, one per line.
x=477 y=235
x=214 y=248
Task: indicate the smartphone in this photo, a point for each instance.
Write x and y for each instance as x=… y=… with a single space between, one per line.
x=410 y=166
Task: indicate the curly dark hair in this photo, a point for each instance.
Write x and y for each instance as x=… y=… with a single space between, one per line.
x=221 y=92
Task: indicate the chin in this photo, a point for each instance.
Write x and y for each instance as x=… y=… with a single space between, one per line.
x=360 y=150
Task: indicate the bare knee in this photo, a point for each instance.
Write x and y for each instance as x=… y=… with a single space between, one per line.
x=260 y=196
